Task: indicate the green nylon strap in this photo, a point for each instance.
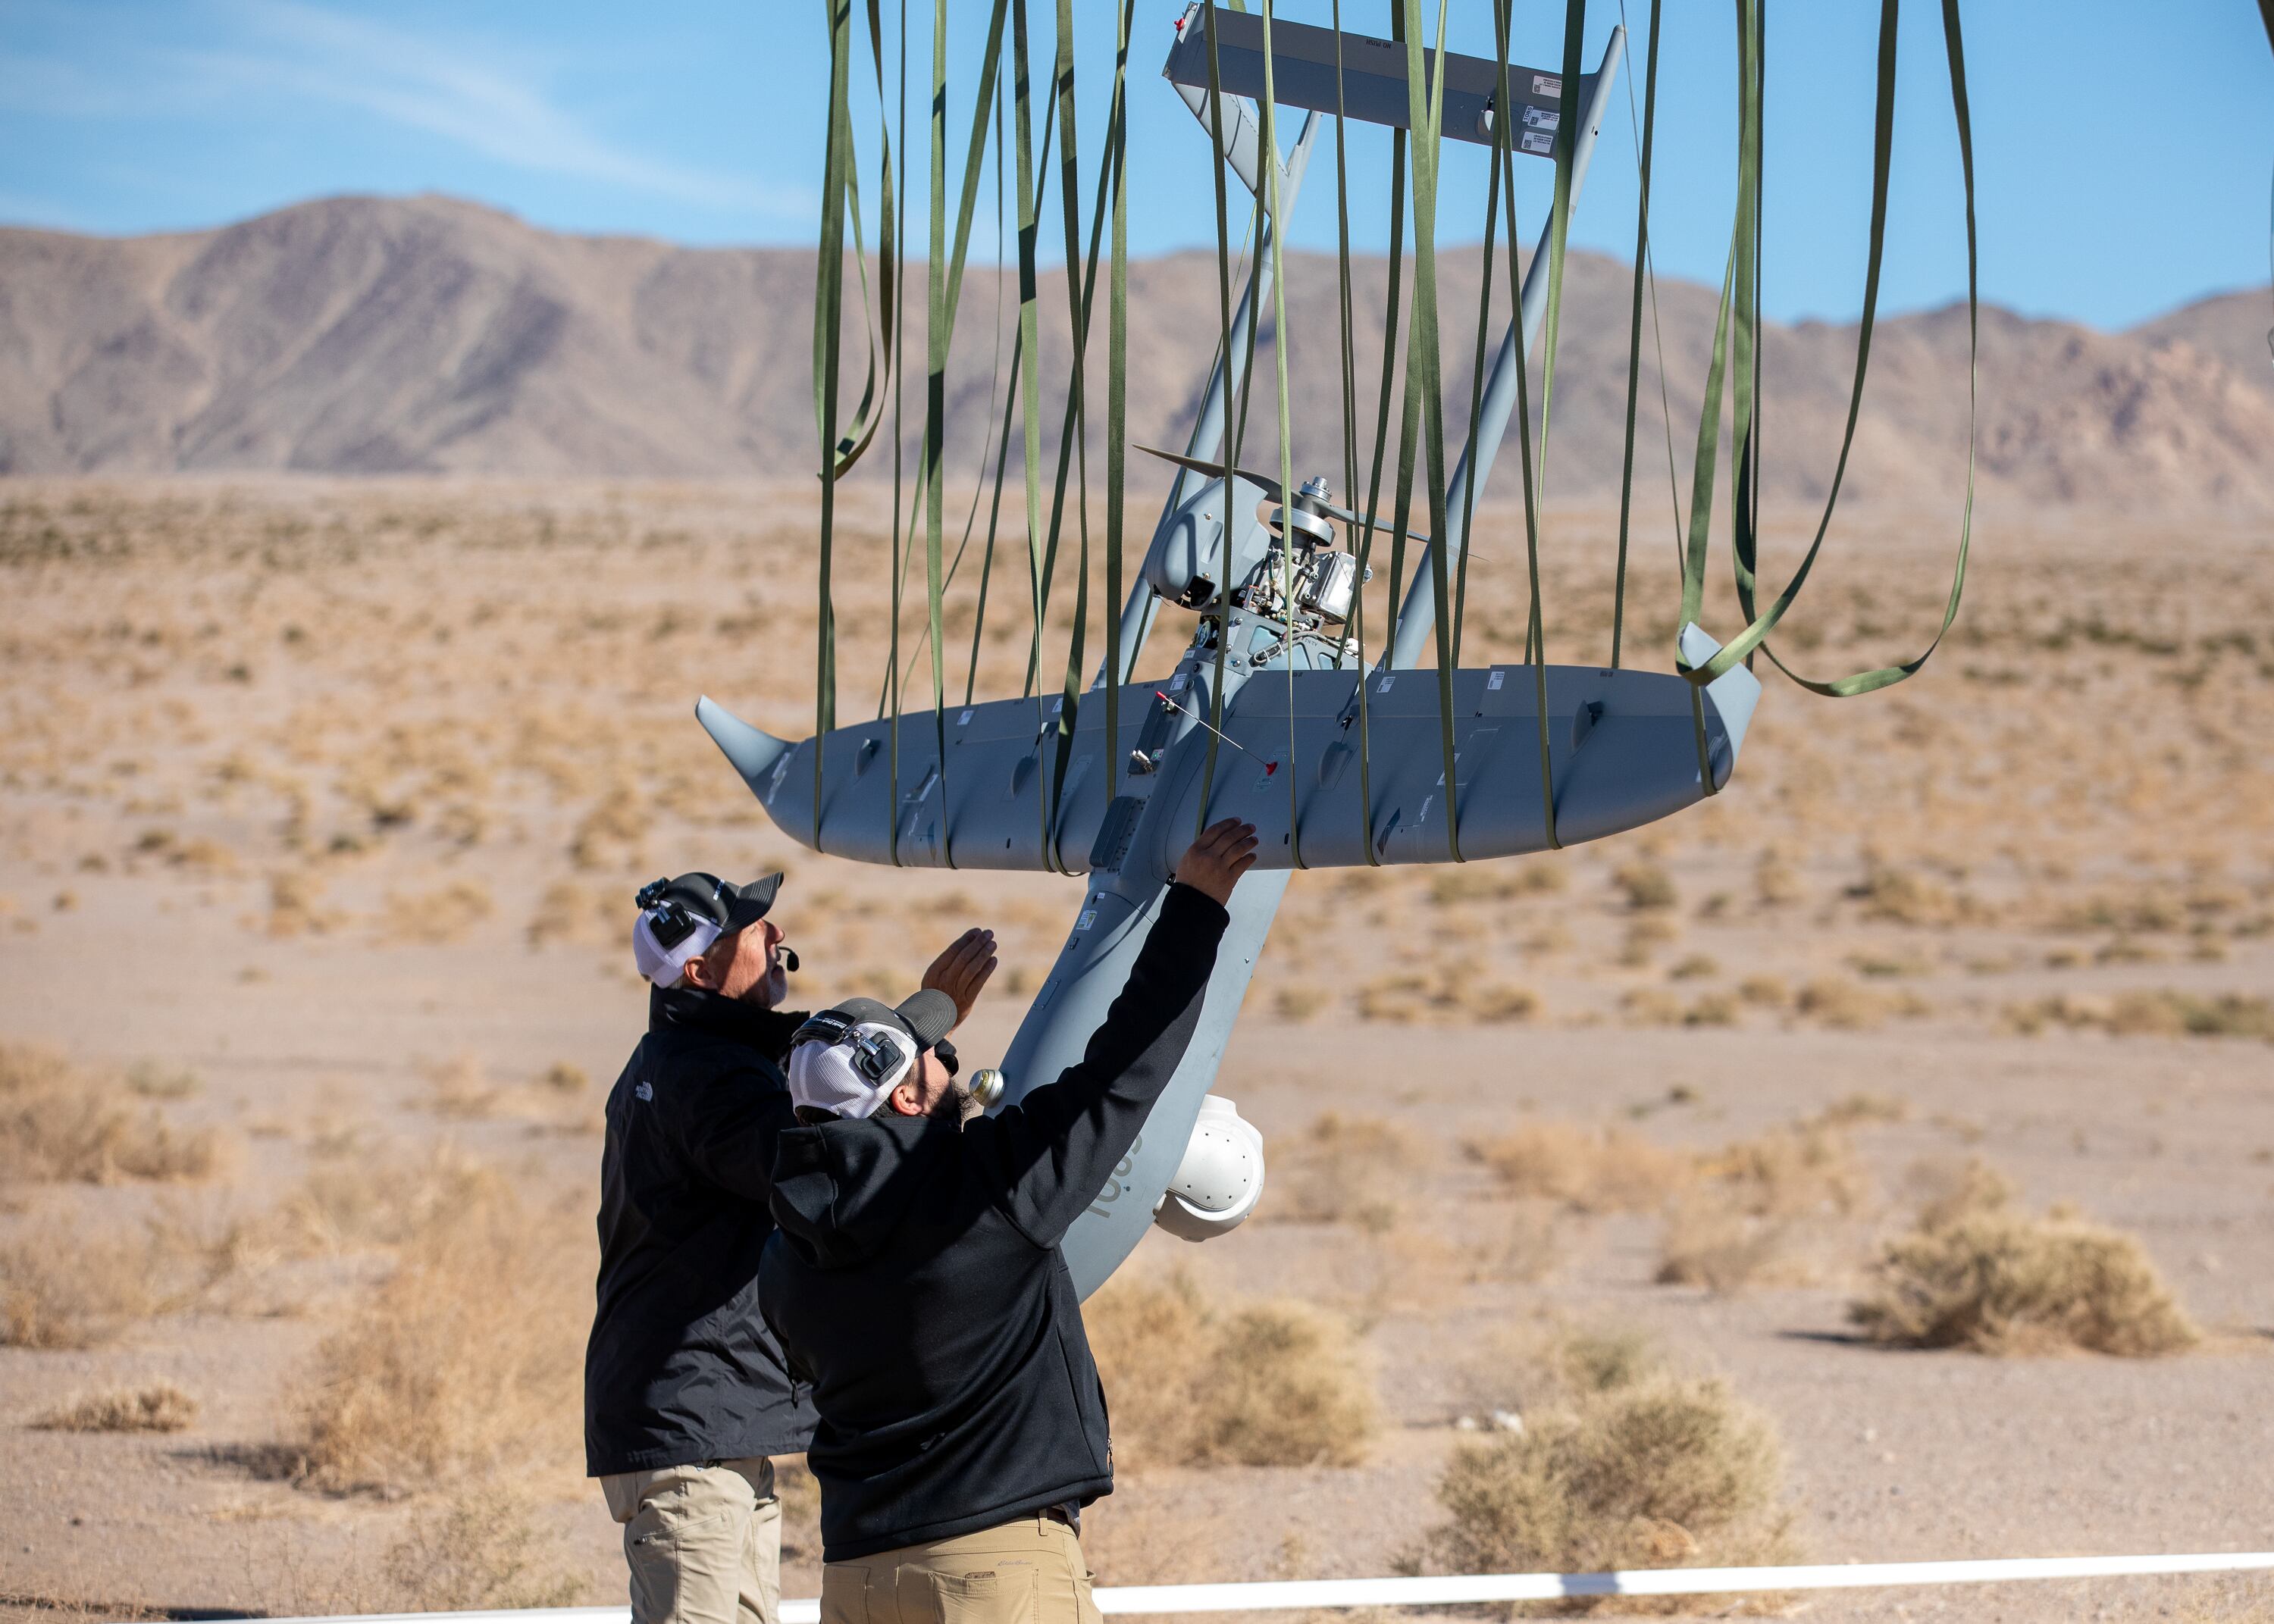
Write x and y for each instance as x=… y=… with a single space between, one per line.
x=1029 y=385
x=995 y=381
x=1423 y=373
x=1270 y=144
x=1535 y=636
x=1477 y=397
x=1634 y=330
x=1390 y=328
x=829 y=306
x=870 y=411
x=1077 y=416
x=1348 y=359
x=1117 y=399
x=1756 y=633
x=890 y=696
x=1230 y=383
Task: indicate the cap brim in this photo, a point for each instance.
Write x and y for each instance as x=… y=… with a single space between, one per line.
x=929 y=1015
x=752 y=901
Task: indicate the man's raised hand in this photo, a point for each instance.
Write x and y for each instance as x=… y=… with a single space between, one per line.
x=962 y=969
x=1212 y=864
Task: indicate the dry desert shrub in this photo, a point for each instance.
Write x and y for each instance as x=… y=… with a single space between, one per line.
x=359 y=1204
x=1756 y=1205
x=1286 y=1389
x=1835 y=1001
x=1977 y=1274
x=576 y=915
x=1592 y=1170
x=64 y=1287
x=160 y=1408
x=1346 y=1169
x=1193 y=1381
x=2161 y=1012
x=1644 y=885
x=480 y=1551
x=1620 y=1462
x=1449 y=992
x=437 y=917
x=443 y=1375
x=60 y=1123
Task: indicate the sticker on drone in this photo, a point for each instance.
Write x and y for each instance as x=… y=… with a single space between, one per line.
x=1541 y=118
x=1537 y=141
x=964 y=720
x=1547 y=85
x=1382 y=686
x=1492 y=682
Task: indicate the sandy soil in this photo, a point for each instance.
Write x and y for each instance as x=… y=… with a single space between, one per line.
x=334 y=795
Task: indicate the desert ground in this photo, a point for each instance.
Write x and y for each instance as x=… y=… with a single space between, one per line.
x=1874 y=1162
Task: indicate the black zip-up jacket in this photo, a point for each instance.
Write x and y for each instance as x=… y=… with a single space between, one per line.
x=681 y=1367
x=916 y=1278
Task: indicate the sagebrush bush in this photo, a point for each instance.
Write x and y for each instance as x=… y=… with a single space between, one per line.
x=64 y=1286
x=1621 y=1463
x=160 y=1408
x=1191 y=1381
x=1609 y=1170
x=468 y=1359
x=1979 y=1274
x=62 y=1123
x=1344 y=1169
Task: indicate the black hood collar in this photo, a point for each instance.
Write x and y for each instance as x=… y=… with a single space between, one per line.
x=842 y=1188
x=705 y=1011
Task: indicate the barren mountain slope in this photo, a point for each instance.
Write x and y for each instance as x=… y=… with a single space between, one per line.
x=427 y=334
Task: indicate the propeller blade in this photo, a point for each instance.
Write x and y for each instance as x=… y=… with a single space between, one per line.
x=1272 y=491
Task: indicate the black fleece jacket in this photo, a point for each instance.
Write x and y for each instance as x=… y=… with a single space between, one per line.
x=681 y=1367
x=916 y=1278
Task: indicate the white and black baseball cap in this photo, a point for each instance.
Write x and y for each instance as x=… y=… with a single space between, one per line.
x=680 y=919
x=846 y=1060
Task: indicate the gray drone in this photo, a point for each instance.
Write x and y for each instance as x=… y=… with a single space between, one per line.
x=1624 y=748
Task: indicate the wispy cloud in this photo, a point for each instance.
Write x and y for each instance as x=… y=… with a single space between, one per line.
x=450 y=88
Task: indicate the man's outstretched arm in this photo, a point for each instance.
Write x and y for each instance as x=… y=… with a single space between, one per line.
x=1059 y=1145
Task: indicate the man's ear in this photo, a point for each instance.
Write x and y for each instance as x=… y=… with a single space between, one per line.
x=697 y=973
x=907 y=1098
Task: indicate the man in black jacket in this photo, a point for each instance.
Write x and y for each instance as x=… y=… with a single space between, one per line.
x=916 y=1279
x=685 y=1391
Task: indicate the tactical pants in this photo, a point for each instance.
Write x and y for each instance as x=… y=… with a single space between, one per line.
x=703 y=1542
x=1027 y=1572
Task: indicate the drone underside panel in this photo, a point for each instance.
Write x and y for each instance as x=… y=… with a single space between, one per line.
x=1621 y=749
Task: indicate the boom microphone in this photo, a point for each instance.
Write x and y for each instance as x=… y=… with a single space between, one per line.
x=789 y=958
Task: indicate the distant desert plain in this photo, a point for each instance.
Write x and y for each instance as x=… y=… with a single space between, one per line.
x=1873 y=1162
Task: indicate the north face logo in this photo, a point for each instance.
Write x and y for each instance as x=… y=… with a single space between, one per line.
x=642 y=1091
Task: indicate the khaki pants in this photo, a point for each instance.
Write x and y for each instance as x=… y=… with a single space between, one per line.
x=1027 y=1572
x=703 y=1542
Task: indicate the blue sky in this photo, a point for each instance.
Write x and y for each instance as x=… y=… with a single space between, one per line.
x=2123 y=151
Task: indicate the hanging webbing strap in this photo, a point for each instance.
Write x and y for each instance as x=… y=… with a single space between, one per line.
x=1634 y=330
x=828 y=311
x=1390 y=328
x=1233 y=381
x=1348 y=359
x=1535 y=634
x=1271 y=172
x=1750 y=111
x=1426 y=101
x=879 y=320
x=1028 y=385
x=1116 y=397
x=1077 y=413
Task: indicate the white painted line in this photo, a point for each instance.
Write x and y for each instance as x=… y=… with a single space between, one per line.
x=1252 y=1598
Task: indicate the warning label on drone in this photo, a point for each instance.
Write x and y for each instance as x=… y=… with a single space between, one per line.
x=1547 y=85
x=1540 y=118
x=1537 y=141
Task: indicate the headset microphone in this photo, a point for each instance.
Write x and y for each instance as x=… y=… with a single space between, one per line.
x=789 y=958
